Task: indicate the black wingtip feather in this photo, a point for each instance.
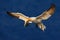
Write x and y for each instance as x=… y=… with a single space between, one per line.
x=52 y=6
x=9 y=13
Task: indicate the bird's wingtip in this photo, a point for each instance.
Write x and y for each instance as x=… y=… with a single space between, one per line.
x=53 y=5
x=8 y=12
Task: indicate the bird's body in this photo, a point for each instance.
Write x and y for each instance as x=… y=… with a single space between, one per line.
x=38 y=20
x=32 y=19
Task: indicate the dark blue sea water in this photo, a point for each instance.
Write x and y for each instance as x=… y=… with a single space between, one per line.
x=13 y=28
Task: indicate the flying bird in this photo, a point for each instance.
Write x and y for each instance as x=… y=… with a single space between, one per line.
x=38 y=20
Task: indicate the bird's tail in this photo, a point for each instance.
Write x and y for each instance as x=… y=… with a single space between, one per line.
x=41 y=26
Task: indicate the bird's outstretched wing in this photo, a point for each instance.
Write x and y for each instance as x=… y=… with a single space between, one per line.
x=48 y=13
x=18 y=15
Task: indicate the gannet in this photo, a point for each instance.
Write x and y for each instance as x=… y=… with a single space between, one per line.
x=38 y=19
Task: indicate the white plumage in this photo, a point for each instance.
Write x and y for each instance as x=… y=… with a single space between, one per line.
x=38 y=20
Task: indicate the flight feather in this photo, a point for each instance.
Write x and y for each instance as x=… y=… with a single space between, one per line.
x=48 y=13
x=18 y=15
